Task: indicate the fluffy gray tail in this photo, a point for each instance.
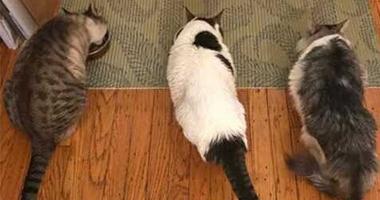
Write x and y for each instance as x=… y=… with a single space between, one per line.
x=356 y=192
x=305 y=165
x=357 y=167
x=230 y=154
x=37 y=167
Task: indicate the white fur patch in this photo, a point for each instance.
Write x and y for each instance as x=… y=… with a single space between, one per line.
x=203 y=90
x=97 y=31
x=77 y=66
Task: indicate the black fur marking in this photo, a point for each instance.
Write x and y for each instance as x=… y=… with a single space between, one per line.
x=43 y=109
x=230 y=154
x=38 y=78
x=51 y=81
x=42 y=95
x=221 y=31
x=210 y=21
x=177 y=34
x=207 y=40
x=226 y=62
x=36 y=179
x=30 y=189
x=37 y=171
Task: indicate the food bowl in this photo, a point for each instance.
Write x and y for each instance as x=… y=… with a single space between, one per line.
x=97 y=51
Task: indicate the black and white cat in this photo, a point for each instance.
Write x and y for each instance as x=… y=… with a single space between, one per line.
x=326 y=84
x=202 y=86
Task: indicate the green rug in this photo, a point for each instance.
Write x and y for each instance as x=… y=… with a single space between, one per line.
x=261 y=35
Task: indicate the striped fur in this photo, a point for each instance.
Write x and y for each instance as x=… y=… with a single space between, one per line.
x=46 y=94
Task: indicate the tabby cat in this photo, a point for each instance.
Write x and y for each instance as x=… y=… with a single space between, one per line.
x=326 y=84
x=201 y=78
x=47 y=92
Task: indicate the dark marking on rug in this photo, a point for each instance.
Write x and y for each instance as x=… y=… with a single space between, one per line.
x=226 y=62
x=207 y=40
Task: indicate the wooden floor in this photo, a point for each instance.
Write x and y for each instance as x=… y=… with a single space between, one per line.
x=128 y=146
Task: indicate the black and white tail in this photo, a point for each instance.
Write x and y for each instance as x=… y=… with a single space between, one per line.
x=37 y=167
x=230 y=154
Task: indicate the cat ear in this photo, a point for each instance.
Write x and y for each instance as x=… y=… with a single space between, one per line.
x=340 y=27
x=218 y=17
x=189 y=15
x=314 y=27
x=91 y=11
x=66 y=12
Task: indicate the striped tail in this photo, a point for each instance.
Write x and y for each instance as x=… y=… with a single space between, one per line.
x=37 y=167
x=230 y=154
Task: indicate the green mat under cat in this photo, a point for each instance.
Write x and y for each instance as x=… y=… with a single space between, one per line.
x=261 y=35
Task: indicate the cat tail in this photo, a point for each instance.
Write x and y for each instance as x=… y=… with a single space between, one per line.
x=307 y=166
x=356 y=185
x=40 y=157
x=361 y=167
x=230 y=154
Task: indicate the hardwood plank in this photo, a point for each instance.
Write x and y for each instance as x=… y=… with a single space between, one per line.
x=14 y=158
x=372 y=100
x=139 y=147
x=91 y=146
x=7 y=59
x=119 y=145
x=281 y=144
x=261 y=155
x=375 y=7
x=161 y=147
x=199 y=177
x=179 y=185
x=219 y=185
x=14 y=145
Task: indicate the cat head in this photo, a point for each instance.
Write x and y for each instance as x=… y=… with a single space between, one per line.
x=317 y=31
x=96 y=27
x=94 y=22
x=194 y=25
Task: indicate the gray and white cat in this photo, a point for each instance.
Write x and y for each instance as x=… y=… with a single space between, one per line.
x=47 y=92
x=202 y=86
x=326 y=84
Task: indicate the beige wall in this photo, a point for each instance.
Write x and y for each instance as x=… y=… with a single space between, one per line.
x=42 y=10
